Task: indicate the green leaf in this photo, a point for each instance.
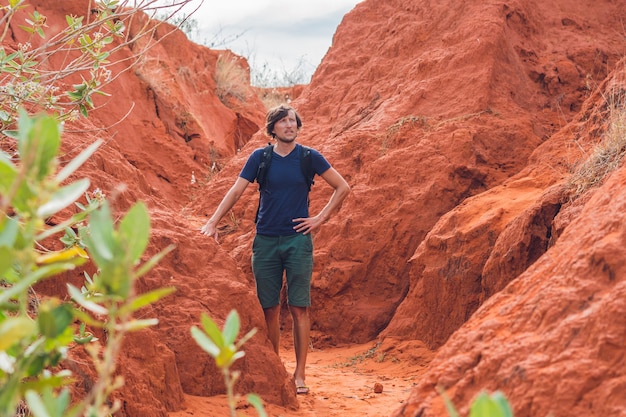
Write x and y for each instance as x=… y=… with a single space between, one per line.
x=211 y=329
x=74 y=22
x=13 y=134
x=62 y=402
x=82 y=316
x=136 y=325
x=50 y=381
x=99 y=236
x=6 y=260
x=38 y=144
x=502 y=403
x=115 y=279
x=83 y=340
x=78 y=217
x=8 y=174
x=80 y=299
x=24 y=126
x=256 y=402
x=5 y=116
x=77 y=162
x=204 y=342
x=9 y=231
x=89 y=101
x=134 y=232
x=33 y=277
x=29 y=64
x=146 y=267
x=23 y=197
x=63 y=197
x=43 y=402
x=231 y=328
x=226 y=357
x=485 y=406
x=70 y=237
x=37 y=363
x=36 y=404
x=53 y=320
x=14 y=329
x=449 y=406
x=146 y=299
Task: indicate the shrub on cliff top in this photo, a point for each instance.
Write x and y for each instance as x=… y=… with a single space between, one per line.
x=86 y=47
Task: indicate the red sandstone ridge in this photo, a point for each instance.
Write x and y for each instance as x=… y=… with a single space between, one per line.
x=549 y=332
x=456 y=124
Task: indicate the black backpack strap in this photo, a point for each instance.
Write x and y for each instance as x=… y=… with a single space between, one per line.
x=261 y=173
x=306 y=164
x=266 y=160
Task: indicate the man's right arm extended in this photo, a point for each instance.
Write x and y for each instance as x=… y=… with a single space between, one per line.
x=229 y=200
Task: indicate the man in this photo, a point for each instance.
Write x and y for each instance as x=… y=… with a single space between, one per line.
x=283 y=241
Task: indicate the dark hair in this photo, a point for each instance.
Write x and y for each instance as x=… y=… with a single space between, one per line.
x=277 y=113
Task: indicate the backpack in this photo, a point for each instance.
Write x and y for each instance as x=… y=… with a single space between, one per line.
x=306 y=164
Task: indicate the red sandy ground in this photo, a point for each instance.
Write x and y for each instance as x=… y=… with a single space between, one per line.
x=341 y=382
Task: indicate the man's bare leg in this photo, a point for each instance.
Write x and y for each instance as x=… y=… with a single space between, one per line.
x=272 y=315
x=301 y=334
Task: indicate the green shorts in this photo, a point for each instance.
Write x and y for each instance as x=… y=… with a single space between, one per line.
x=273 y=255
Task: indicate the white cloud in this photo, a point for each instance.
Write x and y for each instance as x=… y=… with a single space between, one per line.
x=280 y=33
x=268 y=12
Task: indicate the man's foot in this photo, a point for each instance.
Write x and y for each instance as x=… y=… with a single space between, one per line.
x=302 y=389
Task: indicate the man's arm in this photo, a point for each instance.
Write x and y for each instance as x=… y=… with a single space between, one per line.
x=229 y=200
x=342 y=189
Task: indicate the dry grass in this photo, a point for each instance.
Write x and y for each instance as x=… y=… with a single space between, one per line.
x=607 y=155
x=231 y=80
x=406 y=122
x=273 y=98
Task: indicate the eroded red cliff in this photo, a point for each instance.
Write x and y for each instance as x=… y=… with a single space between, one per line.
x=456 y=125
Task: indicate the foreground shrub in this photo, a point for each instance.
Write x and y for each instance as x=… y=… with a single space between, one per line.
x=223 y=349
x=36 y=334
x=485 y=405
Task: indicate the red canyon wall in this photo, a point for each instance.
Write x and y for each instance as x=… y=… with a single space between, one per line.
x=456 y=125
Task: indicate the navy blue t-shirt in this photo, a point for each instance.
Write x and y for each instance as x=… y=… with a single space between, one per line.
x=285 y=194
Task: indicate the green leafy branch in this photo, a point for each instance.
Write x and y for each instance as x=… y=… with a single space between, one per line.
x=485 y=405
x=36 y=334
x=223 y=349
x=85 y=47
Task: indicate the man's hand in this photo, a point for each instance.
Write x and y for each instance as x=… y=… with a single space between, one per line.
x=307 y=225
x=229 y=200
x=209 y=229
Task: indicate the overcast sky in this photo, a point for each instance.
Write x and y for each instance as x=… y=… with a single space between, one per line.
x=281 y=33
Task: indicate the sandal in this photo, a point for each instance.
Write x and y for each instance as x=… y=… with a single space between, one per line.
x=302 y=390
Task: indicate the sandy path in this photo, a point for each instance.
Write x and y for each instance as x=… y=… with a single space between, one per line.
x=341 y=382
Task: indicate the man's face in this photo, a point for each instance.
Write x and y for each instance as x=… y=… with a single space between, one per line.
x=286 y=129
